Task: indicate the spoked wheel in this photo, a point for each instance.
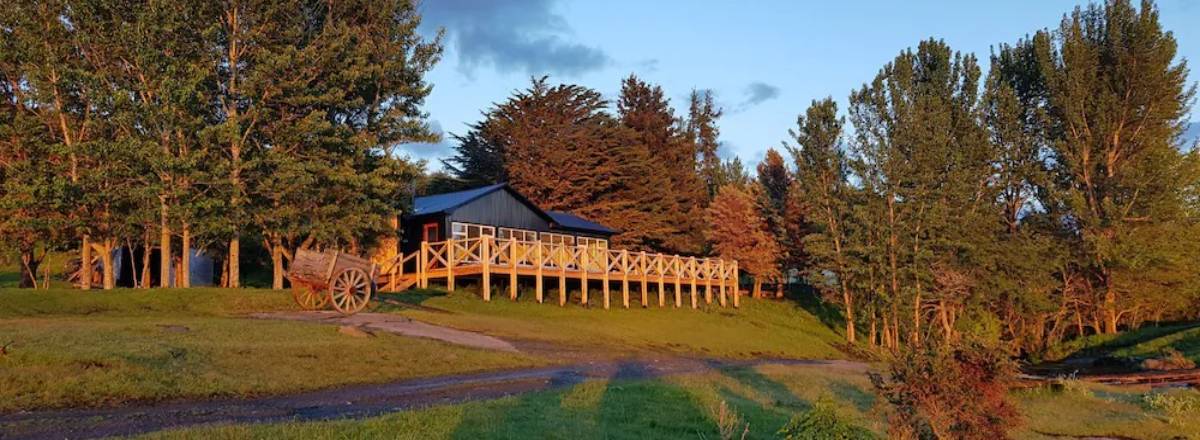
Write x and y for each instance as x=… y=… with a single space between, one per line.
x=309 y=298
x=350 y=291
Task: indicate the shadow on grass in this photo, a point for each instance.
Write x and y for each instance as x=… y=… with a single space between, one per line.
x=614 y=409
x=1095 y=345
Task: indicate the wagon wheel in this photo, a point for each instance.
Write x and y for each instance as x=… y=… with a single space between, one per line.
x=350 y=291
x=308 y=297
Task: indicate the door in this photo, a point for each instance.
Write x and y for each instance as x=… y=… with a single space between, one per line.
x=429 y=232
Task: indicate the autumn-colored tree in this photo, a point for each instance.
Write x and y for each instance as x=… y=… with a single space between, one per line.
x=738 y=232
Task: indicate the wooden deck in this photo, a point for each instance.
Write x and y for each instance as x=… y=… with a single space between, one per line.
x=704 y=279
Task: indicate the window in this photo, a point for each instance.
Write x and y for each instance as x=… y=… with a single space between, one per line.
x=598 y=243
x=552 y=238
x=519 y=234
x=461 y=231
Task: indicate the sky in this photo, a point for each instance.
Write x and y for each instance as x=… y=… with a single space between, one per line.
x=764 y=60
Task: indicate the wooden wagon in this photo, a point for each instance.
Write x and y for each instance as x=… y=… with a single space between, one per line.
x=320 y=278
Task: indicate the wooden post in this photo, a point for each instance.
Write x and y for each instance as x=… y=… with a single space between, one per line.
x=694 y=272
x=723 y=281
x=537 y=255
x=707 y=281
x=512 y=268
x=562 y=277
x=642 y=271
x=678 y=289
x=604 y=267
x=625 y=278
x=485 y=254
x=422 y=260
x=662 y=295
x=450 y=264
x=583 y=277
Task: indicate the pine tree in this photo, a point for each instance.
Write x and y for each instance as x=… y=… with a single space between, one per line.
x=676 y=204
x=784 y=218
x=703 y=131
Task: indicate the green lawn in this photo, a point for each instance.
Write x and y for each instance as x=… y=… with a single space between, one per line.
x=688 y=406
x=764 y=397
x=760 y=328
x=72 y=348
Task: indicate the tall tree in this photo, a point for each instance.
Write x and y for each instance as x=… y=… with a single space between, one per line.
x=1117 y=97
x=920 y=146
x=822 y=186
x=676 y=204
x=704 y=133
x=783 y=216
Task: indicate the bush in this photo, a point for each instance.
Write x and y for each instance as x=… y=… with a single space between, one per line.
x=823 y=421
x=948 y=392
x=1178 y=408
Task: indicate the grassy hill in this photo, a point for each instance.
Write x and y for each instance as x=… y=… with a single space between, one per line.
x=759 y=329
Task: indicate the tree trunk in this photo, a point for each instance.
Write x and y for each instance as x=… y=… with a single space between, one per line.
x=1110 y=306
x=164 y=246
x=277 y=264
x=29 y=268
x=757 y=288
x=85 y=264
x=106 y=259
x=184 y=277
x=234 y=270
x=849 y=303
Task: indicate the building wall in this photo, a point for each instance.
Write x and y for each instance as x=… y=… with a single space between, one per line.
x=499 y=209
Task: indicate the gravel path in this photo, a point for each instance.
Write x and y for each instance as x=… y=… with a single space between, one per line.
x=396 y=324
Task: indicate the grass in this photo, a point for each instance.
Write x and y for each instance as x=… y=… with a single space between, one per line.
x=759 y=329
x=761 y=399
x=1102 y=411
x=72 y=348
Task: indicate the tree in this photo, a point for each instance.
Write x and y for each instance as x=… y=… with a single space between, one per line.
x=677 y=204
x=702 y=130
x=346 y=88
x=920 y=148
x=822 y=186
x=1116 y=98
x=478 y=160
x=783 y=216
x=738 y=232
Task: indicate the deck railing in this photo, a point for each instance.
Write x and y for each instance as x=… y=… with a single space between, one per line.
x=487 y=256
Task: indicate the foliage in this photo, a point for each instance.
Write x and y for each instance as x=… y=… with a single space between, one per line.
x=738 y=232
x=1179 y=408
x=823 y=421
x=948 y=392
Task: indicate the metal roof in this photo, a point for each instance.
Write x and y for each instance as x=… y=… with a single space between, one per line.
x=444 y=203
x=570 y=221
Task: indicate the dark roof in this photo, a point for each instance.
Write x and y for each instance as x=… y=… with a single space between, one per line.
x=573 y=222
x=447 y=202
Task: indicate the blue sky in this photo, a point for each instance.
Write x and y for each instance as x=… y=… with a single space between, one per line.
x=764 y=60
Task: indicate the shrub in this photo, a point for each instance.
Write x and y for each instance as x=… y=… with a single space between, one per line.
x=1177 y=407
x=823 y=421
x=948 y=392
